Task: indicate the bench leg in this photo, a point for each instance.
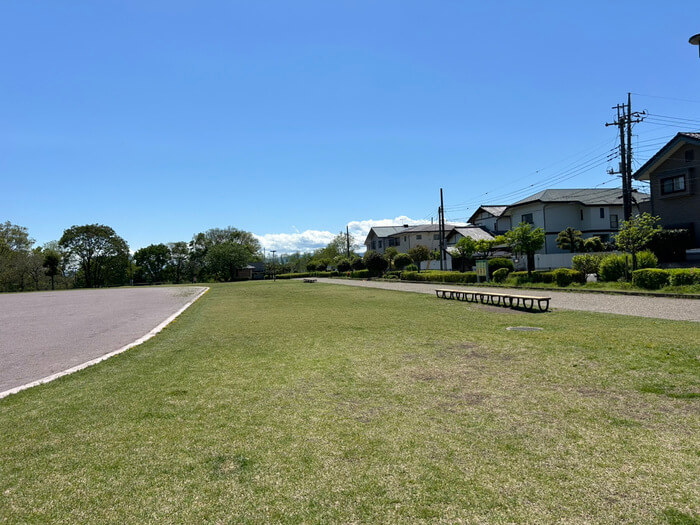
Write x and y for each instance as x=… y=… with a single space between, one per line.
x=539 y=304
x=532 y=303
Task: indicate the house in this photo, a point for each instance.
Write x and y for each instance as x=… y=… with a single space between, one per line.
x=491 y=219
x=672 y=176
x=593 y=211
x=378 y=237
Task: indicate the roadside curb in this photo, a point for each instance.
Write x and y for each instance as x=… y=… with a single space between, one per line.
x=569 y=290
x=104 y=357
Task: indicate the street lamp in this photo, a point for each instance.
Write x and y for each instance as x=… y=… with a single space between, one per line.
x=695 y=40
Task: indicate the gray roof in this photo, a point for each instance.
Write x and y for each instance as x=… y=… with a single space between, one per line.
x=420 y=228
x=496 y=211
x=385 y=231
x=475 y=232
x=668 y=150
x=585 y=196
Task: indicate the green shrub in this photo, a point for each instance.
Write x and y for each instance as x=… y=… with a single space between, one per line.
x=411 y=268
x=593 y=244
x=410 y=275
x=650 y=278
x=684 y=276
x=500 y=262
x=359 y=274
x=670 y=245
x=587 y=263
x=519 y=278
x=500 y=275
x=440 y=276
x=542 y=276
x=612 y=267
x=393 y=273
x=646 y=259
x=293 y=275
x=565 y=276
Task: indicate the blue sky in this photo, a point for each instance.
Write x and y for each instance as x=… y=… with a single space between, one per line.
x=293 y=119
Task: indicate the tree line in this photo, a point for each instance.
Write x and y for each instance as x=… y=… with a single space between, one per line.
x=93 y=255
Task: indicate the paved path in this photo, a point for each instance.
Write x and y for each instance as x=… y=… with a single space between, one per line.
x=643 y=306
x=44 y=333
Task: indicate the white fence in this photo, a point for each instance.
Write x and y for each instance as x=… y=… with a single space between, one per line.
x=549 y=261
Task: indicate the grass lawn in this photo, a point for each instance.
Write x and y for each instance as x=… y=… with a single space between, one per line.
x=290 y=402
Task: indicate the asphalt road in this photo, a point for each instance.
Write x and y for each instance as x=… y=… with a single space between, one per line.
x=44 y=333
x=642 y=306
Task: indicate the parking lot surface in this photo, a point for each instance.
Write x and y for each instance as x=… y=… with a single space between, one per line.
x=44 y=333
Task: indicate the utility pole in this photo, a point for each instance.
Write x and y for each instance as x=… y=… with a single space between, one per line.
x=624 y=123
x=274 y=276
x=347 y=239
x=442 y=232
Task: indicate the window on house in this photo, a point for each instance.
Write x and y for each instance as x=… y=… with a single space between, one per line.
x=527 y=217
x=672 y=184
x=419 y=237
x=374 y=245
x=602 y=213
x=404 y=238
x=379 y=244
x=436 y=236
x=689 y=155
x=613 y=222
x=581 y=213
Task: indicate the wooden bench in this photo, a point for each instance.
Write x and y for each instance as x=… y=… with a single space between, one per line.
x=309 y=280
x=496 y=298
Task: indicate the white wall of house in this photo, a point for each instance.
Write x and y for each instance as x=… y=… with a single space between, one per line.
x=410 y=240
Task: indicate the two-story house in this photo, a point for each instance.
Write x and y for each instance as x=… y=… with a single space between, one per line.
x=593 y=211
x=672 y=174
x=379 y=237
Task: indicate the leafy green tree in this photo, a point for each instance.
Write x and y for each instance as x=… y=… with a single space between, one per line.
x=34 y=266
x=343 y=264
x=485 y=247
x=526 y=240
x=179 y=256
x=153 y=259
x=593 y=244
x=15 y=253
x=402 y=260
x=100 y=254
x=570 y=239
x=465 y=247
x=390 y=254
x=52 y=265
x=357 y=262
x=418 y=254
x=375 y=263
x=636 y=233
x=225 y=259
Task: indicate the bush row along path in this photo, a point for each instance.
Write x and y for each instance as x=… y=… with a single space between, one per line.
x=642 y=306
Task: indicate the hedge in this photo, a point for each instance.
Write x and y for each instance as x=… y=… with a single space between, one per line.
x=307 y=274
x=442 y=277
x=613 y=267
x=565 y=276
x=684 y=276
x=650 y=278
x=359 y=274
x=519 y=277
x=500 y=275
x=500 y=262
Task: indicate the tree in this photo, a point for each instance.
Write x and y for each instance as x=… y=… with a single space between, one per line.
x=593 y=244
x=34 y=266
x=524 y=239
x=390 y=254
x=357 y=262
x=343 y=264
x=465 y=247
x=153 y=259
x=216 y=236
x=570 y=239
x=375 y=263
x=15 y=246
x=179 y=254
x=636 y=233
x=101 y=255
x=402 y=260
x=225 y=259
x=419 y=254
x=52 y=264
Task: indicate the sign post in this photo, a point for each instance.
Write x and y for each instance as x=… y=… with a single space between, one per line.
x=482 y=270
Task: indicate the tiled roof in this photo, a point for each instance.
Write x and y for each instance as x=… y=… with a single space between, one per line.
x=475 y=232
x=420 y=228
x=385 y=231
x=585 y=196
x=496 y=211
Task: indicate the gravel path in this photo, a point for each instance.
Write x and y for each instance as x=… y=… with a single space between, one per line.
x=642 y=306
x=44 y=333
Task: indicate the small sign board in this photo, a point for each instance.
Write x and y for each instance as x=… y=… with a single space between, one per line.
x=482 y=269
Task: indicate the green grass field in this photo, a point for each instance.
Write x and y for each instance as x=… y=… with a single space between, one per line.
x=286 y=402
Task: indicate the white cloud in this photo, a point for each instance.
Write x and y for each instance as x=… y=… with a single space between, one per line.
x=309 y=240
x=306 y=241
